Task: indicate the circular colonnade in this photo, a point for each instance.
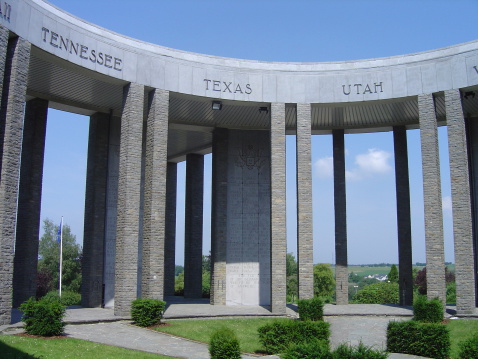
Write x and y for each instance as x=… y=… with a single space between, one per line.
x=151 y=107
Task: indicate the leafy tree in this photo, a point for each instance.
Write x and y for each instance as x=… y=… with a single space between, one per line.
x=393 y=274
x=177 y=270
x=324 y=282
x=292 y=285
x=49 y=253
x=291 y=265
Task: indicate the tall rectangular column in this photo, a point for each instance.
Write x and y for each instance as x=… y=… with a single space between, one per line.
x=154 y=218
x=129 y=183
x=170 y=229
x=29 y=201
x=340 y=208
x=402 y=186
x=11 y=122
x=305 y=253
x=278 y=209
x=434 y=241
x=95 y=211
x=460 y=192
x=194 y=226
x=219 y=216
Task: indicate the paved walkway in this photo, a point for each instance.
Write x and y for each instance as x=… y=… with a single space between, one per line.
x=349 y=324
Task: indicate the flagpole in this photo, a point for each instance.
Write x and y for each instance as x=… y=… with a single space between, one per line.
x=61 y=255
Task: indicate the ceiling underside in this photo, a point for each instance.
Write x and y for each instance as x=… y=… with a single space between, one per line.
x=72 y=88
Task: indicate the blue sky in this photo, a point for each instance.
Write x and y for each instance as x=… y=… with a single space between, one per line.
x=268 y=30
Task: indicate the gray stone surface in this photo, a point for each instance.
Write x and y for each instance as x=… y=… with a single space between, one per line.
x=11 y=123
x=278 y=209
x=404 y=226
x=95 y=210
x=340 y=208
x=111 y=210
x=170 y=229
x=29 y=201
x=432 y=199
x=193 y=226
x=127 y=226
x=154 y=217
x=219 y=213
x=460 y=190
x=248 y=218
x=305 y=252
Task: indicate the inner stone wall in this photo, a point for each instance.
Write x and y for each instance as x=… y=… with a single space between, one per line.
x=248 y=218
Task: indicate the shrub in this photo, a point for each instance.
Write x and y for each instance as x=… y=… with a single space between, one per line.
x=67 y=297
x=361 y=351
x=224 y=345
x=311 y=309
x=279 y=335
x=315 y=349
x=43 y=317
x=451 y=293
x=428 y=311
x=378 y=293
x=147 y=312
x=423 y=339
x=469 y=348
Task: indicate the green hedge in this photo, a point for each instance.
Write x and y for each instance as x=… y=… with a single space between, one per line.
x=311 y=309
x=320 y=350
x=67 y=297
x=361 y=351
x=147 y=312
x=469 y=348
x=378 y=293
x=428 y=311
x=224 y=345
x=43 y=317
x=423 y=339
x=278 y=336
x=315 y=349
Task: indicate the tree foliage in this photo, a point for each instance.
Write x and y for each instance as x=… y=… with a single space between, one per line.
x=324 y=282
x=49 y=253
x=393 y=274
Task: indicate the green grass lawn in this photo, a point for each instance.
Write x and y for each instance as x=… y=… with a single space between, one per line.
x=16 y=347
x=460 y=330
x=201 y=330
x=246 y=330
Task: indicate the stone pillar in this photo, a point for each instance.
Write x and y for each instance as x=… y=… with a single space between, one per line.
x=154 y=218
x=432 y=199
x=278 y=210
x=29 y=202
x=127 y=226
x=305 y=254
x=95 y=211
x=460 y=191
x=11 y=122
x=219 y=216
x=402 y=186
x=340 y=205
x=193 y=230
x=170 y=229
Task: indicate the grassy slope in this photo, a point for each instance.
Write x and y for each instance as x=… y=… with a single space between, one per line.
x=17 y=347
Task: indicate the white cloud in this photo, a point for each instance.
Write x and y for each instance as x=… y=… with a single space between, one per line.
x=373 y=162
x=324 y=167
x=446 y=203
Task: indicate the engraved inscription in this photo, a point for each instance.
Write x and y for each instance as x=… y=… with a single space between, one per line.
x=227 y=86
x=5 y=11
x=250 y=157
x=59 y=41
x=476 y=69
x=361 y=89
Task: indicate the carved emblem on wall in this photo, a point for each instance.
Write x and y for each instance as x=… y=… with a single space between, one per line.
x=250 y=157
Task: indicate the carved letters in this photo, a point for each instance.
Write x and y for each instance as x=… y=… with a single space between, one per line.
x=227 y=86
x=361 y=89
x=5 y=11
